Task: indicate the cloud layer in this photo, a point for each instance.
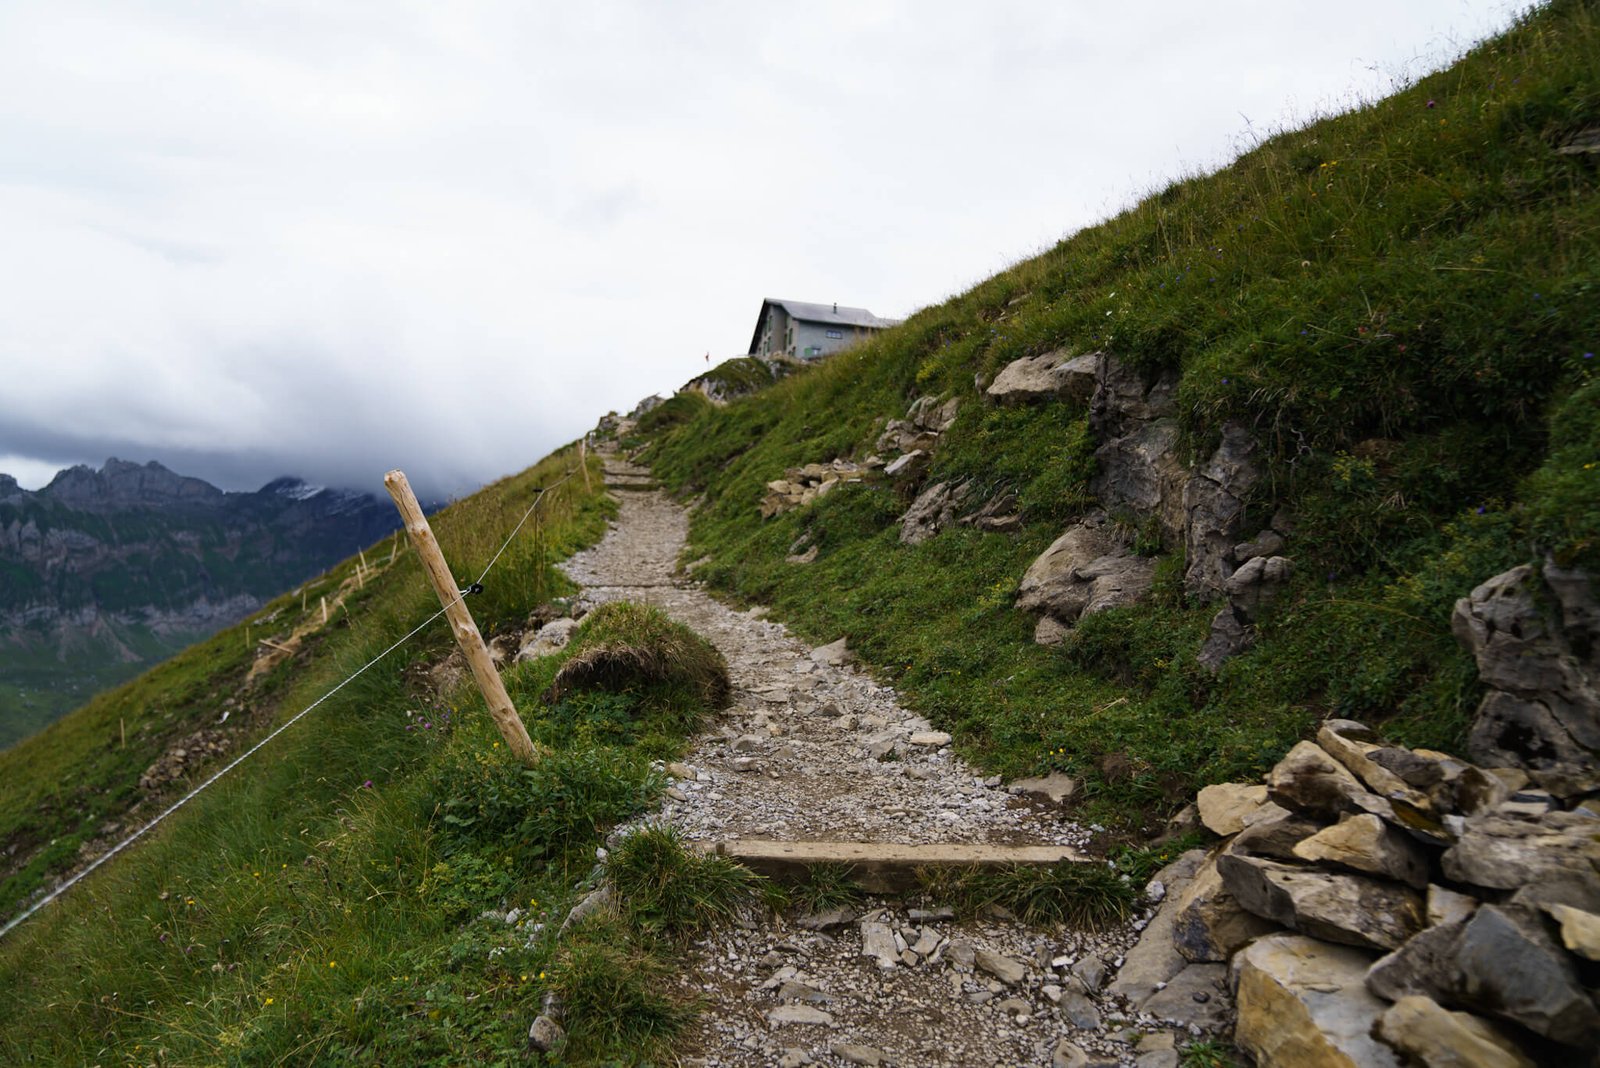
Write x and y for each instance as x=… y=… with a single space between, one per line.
x=328 y=240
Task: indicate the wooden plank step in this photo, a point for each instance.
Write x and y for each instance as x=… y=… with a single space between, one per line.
x=883 y=867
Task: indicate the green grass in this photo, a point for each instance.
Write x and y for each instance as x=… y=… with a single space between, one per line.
x=320 y=904
x=1398 y=302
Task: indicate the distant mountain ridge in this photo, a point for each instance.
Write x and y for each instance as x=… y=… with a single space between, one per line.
x=103 y=572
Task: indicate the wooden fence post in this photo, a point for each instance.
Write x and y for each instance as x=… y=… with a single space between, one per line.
x=461 y=623
x=583 y=462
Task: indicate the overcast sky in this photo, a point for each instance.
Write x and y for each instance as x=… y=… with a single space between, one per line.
x=253 y=239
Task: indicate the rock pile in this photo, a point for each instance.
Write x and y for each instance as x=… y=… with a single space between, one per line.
x=1380 y=906
x=799 y=486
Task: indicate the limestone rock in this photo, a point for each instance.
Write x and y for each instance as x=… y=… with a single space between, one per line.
x=1267 y=543
x=1055 y=788
x=1256 y=584
x=1447 y=906
x=834 y=653
x=1580 y=930
x=1125 y=397
x=1085 y=570
x=1308 y=780
x=1140 y=473
x=1213 y=506
x=1304 y=1003
x=1154 y=959
x=1424 y=965
x=1049 y=631
x=1365 y=843
x=1067 y=1055
x=550 y=638
x=1510 y=967
x=1079 y=1011
x=1349 y=909
x=934 y=509
x=877 y=943
x=1231 y=634
x=1003 y=968
x=545 y=1034
x=1274 y=834
x=1210 y=922
x=1195 y=996
x=1226 y=808
x=1543 y=711
x=1504 y=854
x=1340 y=740
x=1055 y=375
x=910 y=466
x=1434 y=1037
x=798 y=1014
x=852 y=1053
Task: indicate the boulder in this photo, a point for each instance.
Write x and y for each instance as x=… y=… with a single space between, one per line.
x=1213 y=507
x=929 y=413
x=1303 y=1003
x=1508 y=966
x=1055 y=375
x=1049 y=631
x=1424 y=965
x=834 y=653
x=1227 y=808
x=1210 y=923
x=1365 y=843
x=1309 y=781
x=1348 y=909
x=1140 y=472
x=1085 y=570
x=1447 y=906
x=1504 y=853
x=1432 y=1036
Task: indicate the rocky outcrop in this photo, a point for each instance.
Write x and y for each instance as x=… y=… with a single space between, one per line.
x=1056 y=375
x=1141 y=478
x=1464 y=897
x=1542 y=712
x=935 y=508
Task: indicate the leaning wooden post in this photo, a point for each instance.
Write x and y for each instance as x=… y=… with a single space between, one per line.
x=583 y=462
x=455 y=609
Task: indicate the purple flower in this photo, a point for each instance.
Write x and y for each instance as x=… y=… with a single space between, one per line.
x=367 y=785
x=1481 y=509
x=1432 y=103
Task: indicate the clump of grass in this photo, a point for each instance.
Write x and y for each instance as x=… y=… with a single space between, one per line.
x=614 y=995
x=1209 y=1054
x=677 y=409
x=624 y=647
x=826 y=886
x=1083 y=895
x=663 y=886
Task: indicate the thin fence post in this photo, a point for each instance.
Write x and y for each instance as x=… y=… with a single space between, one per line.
x=583 y=461
x=461 y=622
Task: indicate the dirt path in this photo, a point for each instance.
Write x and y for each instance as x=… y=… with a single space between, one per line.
x=801 y=755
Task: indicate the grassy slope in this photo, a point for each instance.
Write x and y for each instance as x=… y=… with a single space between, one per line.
x=1399 y=302
x=312 y=906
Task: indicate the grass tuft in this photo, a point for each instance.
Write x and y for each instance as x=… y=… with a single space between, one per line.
x=1082 y=895
x=665 y=887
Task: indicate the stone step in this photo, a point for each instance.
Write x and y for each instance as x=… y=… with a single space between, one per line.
x=636 y=487
x=884 y=867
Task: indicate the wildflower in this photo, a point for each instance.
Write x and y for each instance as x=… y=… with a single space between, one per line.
x=333 y=964
x=1481 y=509
x=256 y=874
x=1432 y=103
x=367 y=785
x=269 y=1001
x=1588 y=355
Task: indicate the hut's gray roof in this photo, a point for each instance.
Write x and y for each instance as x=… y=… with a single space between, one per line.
x=829 y=314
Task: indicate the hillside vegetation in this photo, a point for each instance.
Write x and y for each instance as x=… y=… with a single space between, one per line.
x=1400 y=305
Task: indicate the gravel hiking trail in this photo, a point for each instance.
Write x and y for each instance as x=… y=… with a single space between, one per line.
x=812 y=749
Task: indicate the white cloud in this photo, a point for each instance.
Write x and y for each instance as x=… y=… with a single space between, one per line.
x=333 y=239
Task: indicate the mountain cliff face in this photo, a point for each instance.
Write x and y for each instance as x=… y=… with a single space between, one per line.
x=103 y=572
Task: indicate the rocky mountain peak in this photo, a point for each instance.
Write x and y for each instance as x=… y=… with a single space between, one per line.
x=120 y=485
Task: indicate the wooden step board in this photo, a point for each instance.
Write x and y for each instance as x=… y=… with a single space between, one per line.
x=883 y=867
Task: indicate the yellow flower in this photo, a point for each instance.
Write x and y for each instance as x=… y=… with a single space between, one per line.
x=333 y=964
x=541 y=975
x=256 y=874
x=268 y=1001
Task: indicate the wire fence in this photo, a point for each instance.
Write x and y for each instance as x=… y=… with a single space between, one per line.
x=461 y=595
